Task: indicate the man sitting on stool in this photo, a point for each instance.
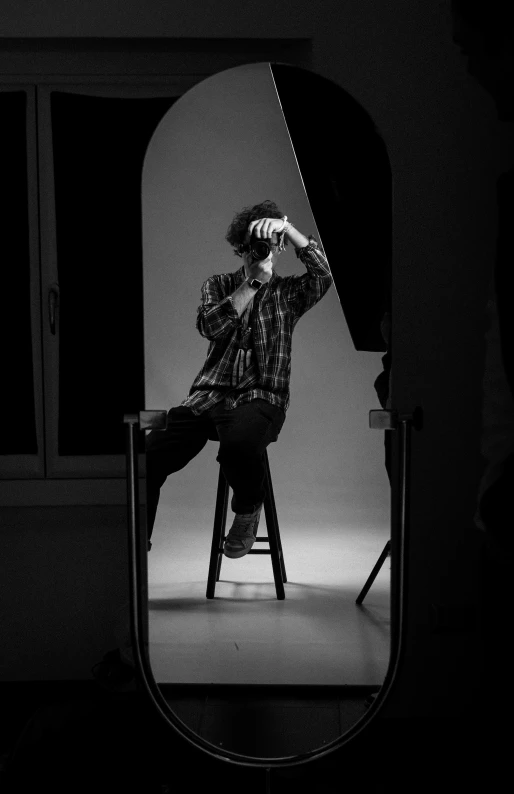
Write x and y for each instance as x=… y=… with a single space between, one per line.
x=242 y=391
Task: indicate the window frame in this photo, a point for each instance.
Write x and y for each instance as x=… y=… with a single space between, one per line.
x=26 y=465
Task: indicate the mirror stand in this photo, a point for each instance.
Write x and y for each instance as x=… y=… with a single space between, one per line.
x=155 y=420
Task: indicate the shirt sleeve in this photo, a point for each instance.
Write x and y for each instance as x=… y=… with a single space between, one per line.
x=306 y=290
x=216 y=316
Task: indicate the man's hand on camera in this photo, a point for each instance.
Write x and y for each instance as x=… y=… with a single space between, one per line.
x=264 y=227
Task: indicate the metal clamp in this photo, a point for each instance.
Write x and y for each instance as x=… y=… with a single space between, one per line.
x=147 y=420
x=389 y=420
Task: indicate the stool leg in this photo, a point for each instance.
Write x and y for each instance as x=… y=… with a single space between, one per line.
x=273 y=508
x=223 y=527
x=277 y=561
x=220 y=517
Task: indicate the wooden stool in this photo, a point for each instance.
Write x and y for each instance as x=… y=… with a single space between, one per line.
x=273 y=537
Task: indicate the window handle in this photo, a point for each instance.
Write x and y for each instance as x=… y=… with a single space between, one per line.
x=53 y=305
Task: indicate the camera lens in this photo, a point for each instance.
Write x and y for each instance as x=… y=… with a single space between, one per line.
x=260 y=249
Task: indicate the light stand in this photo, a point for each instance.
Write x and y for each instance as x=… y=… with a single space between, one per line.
x=392 y=420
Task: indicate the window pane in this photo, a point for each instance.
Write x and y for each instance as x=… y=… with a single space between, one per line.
x=17 y=407
x=99 y=144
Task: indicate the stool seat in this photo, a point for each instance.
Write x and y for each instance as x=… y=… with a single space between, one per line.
x=272 y=538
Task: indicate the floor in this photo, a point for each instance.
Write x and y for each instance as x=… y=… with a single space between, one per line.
x=249 y=673
x=268 y=722
x=317 y=636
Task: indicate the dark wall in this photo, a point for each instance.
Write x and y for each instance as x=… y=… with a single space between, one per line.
x=446 y=149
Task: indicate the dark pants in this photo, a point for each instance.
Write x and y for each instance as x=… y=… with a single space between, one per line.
x=243 y=432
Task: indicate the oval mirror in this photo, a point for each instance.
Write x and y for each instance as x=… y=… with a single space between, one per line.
x=249 y=671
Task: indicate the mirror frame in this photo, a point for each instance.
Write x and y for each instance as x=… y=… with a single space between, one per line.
x=399 y=527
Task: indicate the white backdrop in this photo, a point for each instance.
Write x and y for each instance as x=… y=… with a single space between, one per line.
x=222 y=146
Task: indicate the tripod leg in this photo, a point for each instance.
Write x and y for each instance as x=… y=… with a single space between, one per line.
x=373 y=575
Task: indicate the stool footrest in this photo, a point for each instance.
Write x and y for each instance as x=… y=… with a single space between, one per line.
x=253 y=551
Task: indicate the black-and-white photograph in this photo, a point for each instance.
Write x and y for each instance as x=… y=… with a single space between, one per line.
x=257 y=396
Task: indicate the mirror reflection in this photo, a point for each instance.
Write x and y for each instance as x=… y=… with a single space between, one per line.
x=248 y=348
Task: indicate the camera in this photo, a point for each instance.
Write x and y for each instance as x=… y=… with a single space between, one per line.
x=260 y=249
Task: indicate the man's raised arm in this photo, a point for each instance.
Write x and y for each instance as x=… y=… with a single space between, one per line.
x=216 y=315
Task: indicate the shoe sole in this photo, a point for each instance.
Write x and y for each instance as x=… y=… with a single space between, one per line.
x=234 y=555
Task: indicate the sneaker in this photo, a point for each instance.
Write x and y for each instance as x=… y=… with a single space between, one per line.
x=241 y=536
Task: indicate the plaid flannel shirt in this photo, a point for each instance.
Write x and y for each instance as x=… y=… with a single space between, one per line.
x=277 y=307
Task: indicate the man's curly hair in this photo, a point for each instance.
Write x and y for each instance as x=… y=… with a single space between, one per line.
x=237 y=230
